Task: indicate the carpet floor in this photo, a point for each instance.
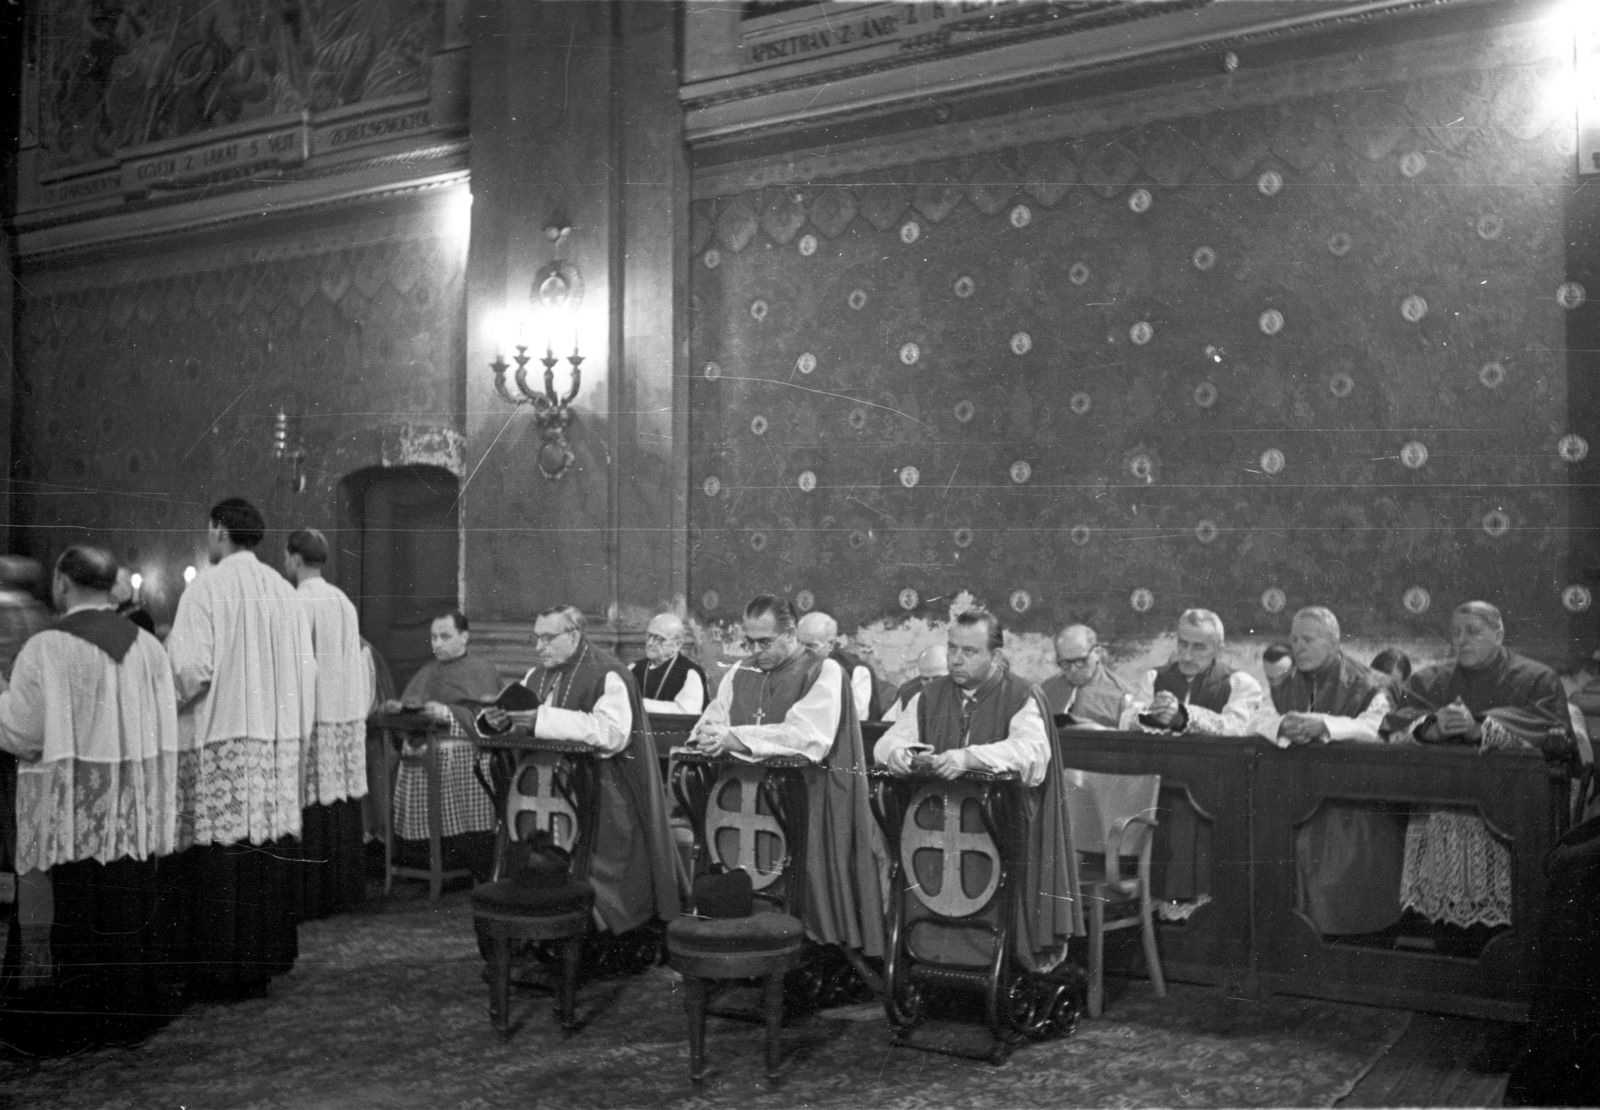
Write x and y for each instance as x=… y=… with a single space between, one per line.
x=388 y=1009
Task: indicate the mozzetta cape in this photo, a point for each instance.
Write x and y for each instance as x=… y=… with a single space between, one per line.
x=97 y=739
x=1524 y=697
x=1348 y=854
x=1048 y=911
x=1455 y=870
x=335 y=761
x=844 y=901
x=245 y=673
x=631 y=867
x=664 y=683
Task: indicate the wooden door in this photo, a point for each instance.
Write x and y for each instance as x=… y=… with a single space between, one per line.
x=409 y=552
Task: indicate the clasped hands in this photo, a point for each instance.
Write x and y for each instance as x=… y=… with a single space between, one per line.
x=1302 y=728
x=1165 y=709
x=1454 y=720
x=715 y=740
x=923 y=760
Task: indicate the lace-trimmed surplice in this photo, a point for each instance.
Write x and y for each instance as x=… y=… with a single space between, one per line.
x=97 y=743
x=245 y=671
x=335 y=760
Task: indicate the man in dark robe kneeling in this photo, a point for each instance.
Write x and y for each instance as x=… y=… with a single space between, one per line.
x=980 y=717
x=588 y=697
x=784 y=701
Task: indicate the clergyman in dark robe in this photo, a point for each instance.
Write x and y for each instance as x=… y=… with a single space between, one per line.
x=1456 y=872
x=1347 y=856
x=981 y=717
x=783 y=700
x=668 y=680
x=587 y=696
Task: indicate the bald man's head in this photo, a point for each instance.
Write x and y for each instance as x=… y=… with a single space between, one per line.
x=1078 y=654
x=663 y=638
x=818 y=633
x=934 y=661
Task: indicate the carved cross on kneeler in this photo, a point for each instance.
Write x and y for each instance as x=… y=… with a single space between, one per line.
x=947 y=799
x=534 y=790
x=748 y=824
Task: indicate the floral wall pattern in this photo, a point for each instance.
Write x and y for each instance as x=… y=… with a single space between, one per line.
x=149 y=389
x=1252 y=360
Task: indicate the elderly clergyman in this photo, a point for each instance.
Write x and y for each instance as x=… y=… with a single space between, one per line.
x=587 y=696
x=1196 y=692
x=818 y=634
x=1486 y=697
x=668 y=680
x=1086 y=688
x=1347 y=855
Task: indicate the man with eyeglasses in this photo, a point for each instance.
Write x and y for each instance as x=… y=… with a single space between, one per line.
x=781 y=700
x=1086 y=688
x=587 y=696
x=668 y=680
x=981 y=717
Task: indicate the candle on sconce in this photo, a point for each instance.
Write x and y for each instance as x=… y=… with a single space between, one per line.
x=136 y=580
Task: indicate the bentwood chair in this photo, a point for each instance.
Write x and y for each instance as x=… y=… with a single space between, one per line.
x=1113 y=819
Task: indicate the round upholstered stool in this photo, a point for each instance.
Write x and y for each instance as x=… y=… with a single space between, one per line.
x=505 y=911
x=763 y=946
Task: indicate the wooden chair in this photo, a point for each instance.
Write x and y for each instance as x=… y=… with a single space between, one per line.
x=750 y=817
x=1113 y=819
x=555 y=788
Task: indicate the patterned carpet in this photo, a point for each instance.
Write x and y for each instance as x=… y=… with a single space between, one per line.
x=388 y=1010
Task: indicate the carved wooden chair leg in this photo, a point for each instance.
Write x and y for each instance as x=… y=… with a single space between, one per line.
x=772 y=996
x=500 y=981
x=694 y=1004
x=571 y=953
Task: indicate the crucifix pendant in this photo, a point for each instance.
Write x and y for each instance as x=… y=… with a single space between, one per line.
x=760 y=714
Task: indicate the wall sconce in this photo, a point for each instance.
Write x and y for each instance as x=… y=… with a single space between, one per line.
x=557 y=291
x=282 y=450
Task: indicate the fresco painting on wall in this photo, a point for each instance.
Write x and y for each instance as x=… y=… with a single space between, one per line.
x=122 y=73
x=1267 y=353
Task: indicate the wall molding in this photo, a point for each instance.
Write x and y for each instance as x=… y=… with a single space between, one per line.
x=1271 y=84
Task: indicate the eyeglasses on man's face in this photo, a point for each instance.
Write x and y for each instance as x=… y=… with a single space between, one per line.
x=543 y=638
x=654 y=638
x=1075 y=662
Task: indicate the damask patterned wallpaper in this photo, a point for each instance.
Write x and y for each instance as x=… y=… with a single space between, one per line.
x=1250 y=361
x=149 y=389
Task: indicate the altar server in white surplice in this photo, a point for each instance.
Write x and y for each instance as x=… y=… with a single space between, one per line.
x=333 y=766
x=91 y=717
x=245 y=672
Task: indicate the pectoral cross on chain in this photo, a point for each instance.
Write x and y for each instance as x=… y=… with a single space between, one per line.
x=760 y=714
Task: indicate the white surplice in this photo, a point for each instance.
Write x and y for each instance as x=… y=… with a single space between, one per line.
x=245 y=672
x=97 y=748
x=334 y=763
